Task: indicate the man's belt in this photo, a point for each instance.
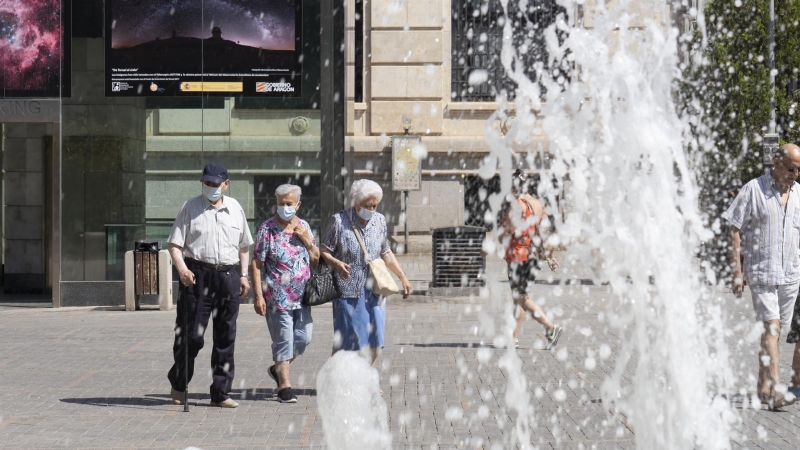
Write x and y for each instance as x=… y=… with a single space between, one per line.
x=217 y=267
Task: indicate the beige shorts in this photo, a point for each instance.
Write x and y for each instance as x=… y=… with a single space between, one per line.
x=772 y=302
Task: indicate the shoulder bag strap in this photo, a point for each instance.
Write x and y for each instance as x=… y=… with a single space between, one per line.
x=358 y=236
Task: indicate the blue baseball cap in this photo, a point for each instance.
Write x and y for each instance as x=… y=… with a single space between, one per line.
x=215 y=173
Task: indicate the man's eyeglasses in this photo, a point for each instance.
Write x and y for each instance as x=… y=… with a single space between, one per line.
x=794 y=170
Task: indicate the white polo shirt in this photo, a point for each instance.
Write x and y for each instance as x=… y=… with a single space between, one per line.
x=211 y=235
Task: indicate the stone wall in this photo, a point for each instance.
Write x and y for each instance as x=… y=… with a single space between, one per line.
x=24 y=200
x=103 y=166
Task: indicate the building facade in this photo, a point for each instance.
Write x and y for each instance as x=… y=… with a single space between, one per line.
x=409 y=64
x=87 y=172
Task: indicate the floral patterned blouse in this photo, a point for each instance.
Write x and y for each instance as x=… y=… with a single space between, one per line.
x=286 y=264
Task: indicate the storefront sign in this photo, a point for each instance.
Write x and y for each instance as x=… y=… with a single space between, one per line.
x=406 y=164
x=251 y=48
x=29 y=110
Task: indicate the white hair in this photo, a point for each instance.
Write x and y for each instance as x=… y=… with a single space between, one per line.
x=364 y=189
x=286 y=189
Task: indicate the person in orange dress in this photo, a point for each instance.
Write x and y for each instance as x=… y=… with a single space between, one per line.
x=525 y=231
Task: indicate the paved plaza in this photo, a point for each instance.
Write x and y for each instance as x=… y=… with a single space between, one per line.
x=96 y=378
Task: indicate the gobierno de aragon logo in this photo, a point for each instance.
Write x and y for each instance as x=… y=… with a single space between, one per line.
x=262 y=86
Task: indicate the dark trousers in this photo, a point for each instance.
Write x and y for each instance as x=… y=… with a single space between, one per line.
x=214 y=294
x=522 y=273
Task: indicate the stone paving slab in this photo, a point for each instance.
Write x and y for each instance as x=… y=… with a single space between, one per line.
x=96 y=379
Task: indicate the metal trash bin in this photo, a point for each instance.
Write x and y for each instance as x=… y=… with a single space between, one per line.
x=457 y=261
x=145 y=268
x=148 y=271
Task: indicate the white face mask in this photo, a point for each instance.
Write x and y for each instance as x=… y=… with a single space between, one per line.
x=212 y=193
x=365 y=214
x=286 y=212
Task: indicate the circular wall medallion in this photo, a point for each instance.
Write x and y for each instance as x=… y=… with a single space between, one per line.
x=299 y=125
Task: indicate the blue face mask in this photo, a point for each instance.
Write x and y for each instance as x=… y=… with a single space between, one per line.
x=365 y=214
x=212 y=193
x=286 y=212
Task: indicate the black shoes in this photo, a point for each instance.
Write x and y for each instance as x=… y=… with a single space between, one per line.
x=286 y=395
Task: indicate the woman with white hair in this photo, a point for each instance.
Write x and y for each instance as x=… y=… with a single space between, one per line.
x=359 y=315
x=282 y=258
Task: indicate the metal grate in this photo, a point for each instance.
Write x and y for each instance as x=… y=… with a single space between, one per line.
x=476 y=200
x=457 y=260
x=477 y=39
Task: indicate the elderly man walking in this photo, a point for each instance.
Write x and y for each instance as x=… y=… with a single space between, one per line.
x=765 y=229
x=209 y=245
x=282 y=258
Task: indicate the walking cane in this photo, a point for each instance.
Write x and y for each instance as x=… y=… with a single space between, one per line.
x=185 y=353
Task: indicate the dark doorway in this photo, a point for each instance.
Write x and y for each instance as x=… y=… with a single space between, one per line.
x=27 y=215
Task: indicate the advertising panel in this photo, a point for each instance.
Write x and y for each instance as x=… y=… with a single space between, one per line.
x=406 y=163
x=212 y=47
x=32 y=51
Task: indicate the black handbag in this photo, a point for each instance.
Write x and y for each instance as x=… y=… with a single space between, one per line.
x=321 y=287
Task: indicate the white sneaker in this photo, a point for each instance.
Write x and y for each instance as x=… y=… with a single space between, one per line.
x=227 y=403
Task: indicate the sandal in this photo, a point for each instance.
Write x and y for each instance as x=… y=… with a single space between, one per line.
x=776 y=400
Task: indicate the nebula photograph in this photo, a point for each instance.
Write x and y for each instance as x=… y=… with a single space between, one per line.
x=30 y=48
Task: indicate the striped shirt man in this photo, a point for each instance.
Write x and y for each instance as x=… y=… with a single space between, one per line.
x=211 y=235
x=771 y=236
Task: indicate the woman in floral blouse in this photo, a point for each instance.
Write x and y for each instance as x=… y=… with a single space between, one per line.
x=282 y=258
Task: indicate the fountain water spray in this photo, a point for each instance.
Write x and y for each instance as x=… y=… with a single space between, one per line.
x=353 y=412
x=630 y=209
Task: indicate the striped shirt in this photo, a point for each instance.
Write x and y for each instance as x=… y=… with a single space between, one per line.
x=211 y=235
x=770 y=236
x=343 y=244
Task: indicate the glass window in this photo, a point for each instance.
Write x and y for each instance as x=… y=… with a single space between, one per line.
x=153 y=103
x=477 y=40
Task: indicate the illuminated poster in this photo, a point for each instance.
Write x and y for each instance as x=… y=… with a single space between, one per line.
x=31 y=49
x=187 y=47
